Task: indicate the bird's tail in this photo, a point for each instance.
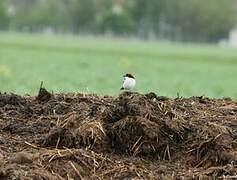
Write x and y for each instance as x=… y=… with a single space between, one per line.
x=122 y=88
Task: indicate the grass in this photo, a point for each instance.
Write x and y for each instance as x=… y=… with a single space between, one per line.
x=96 y=65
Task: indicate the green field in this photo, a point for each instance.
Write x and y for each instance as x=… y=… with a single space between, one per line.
x=96 y=65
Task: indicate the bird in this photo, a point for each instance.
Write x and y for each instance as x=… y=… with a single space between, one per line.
x=129 y=82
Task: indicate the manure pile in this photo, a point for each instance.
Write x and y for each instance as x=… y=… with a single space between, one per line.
x=139 y=136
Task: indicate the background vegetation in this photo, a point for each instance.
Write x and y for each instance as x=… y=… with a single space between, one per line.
x=87 y=45
x=183 y=20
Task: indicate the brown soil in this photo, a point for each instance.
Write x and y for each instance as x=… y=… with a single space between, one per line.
x=77 y=136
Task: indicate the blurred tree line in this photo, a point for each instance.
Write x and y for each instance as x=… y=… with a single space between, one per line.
x=184 y=20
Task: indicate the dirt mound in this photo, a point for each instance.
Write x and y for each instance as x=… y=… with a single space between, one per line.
x=64 y=136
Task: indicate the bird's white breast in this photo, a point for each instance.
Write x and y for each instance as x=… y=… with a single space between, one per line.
x=129 y=83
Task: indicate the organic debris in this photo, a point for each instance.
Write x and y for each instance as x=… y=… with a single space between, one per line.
x=43 y=94
x=78 y=136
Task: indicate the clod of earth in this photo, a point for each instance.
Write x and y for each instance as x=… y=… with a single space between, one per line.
x=64 y=136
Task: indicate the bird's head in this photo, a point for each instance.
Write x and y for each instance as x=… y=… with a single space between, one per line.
x=129 y=75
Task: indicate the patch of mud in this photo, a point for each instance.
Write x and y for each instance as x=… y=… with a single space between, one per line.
x=11 y=99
